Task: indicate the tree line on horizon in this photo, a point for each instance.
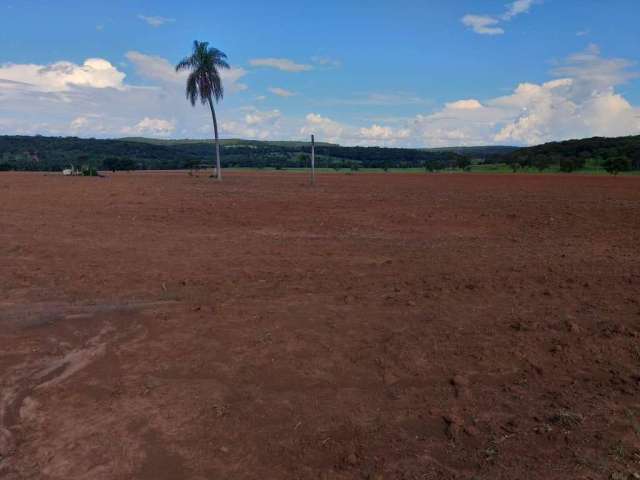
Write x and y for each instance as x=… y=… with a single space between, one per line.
x=615 y=155
x=55 y=153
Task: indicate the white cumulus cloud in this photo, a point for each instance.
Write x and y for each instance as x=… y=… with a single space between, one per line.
x=581 y=101
x=155 y=21
x=490 y=24
x=516 y=8
x=281 y=92
x=257 y=117
x=382 y=134
x=62 y=76
x=482 y=24
x=324 y=127
x=256 y=124
x=469 y=104
x=581 y=98
x=92 y=98
x=155 y=67
x=156 y=127
x=329 y=130
x=79 y=122
x=283 y=64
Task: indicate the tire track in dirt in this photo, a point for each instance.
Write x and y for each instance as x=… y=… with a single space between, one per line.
x=27 y=377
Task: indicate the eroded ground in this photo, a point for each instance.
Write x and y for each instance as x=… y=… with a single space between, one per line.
x=162 y=326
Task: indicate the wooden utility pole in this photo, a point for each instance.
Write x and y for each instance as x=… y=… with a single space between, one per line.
x=313 y=160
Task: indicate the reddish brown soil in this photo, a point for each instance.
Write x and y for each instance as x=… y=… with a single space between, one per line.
x=160 y=326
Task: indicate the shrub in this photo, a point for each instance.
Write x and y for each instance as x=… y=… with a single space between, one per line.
x=616 y=165
x=89 y=171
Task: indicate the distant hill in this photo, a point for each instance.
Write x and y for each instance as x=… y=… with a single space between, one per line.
x=570 y=155
x=223 y=141
x=55 y=153
x=616 y=154
x=473 y=151
x=593 y=147
x=477 y=151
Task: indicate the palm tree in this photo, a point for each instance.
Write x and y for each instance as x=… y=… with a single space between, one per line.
x=204 y=82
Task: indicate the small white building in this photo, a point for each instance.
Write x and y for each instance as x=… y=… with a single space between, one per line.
x=70 y=171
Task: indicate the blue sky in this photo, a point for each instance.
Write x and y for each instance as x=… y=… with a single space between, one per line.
x=406 y=73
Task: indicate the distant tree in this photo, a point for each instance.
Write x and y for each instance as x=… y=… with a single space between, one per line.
x=524 y=160
x=110 y=163
x=302 y=160
x=89 y=171
x=204 y=82
x=616 y=165
x=570 y=164
x=439 y=164
x=463 y=163
x=541 y=162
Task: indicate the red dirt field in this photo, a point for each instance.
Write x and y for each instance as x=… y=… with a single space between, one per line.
x=160 y=326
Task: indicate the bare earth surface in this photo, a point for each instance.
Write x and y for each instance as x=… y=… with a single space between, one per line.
x=161 y=326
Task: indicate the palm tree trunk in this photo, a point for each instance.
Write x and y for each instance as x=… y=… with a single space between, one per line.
x=215 y=132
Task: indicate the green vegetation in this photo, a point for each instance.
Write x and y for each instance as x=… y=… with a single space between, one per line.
x=89 y=171
x=115 y=163
x=476 y=152
x=613 y=155
x=588 y=156
x=616 y=165
x=55 y=153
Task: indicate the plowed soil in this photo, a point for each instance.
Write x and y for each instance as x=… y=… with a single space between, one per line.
x=378 y=326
